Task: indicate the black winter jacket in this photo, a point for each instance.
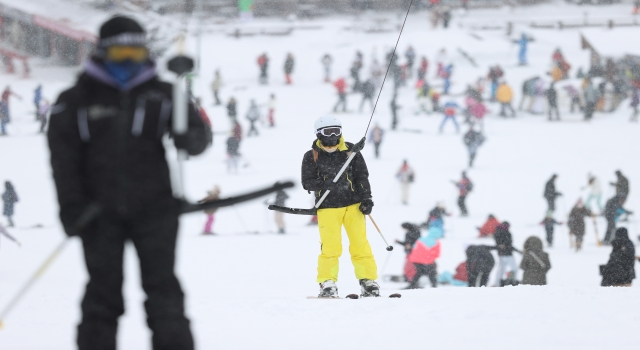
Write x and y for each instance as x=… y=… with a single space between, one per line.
x=620 y=268
x=353 y=186
x=504 y=241
x=479 y=259
x=106 y=145
x=550 y=190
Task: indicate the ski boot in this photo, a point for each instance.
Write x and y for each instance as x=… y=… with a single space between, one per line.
x=328 y=289
x=369 y=288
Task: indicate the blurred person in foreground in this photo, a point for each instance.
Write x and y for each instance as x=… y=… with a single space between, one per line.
x=110 y=170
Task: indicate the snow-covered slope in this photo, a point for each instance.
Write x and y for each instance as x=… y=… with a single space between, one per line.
x=247 y=290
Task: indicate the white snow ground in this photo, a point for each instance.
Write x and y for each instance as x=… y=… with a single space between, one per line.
x=247 y=291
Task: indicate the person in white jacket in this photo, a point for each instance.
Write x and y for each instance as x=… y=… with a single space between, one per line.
x=406 y=177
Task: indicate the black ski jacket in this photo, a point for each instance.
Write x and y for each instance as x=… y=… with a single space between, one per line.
x=353 y=186
x=106 y=145
x=504 y=241
x=620 y=268
x=479 y=259
x=550 y=190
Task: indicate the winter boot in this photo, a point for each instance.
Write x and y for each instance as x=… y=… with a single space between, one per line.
x=369 y=288
x=328 y=289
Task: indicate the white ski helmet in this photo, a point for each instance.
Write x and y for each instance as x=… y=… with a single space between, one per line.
x=326 y=121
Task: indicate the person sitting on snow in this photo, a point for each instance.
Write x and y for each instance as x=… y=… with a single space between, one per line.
x=346 y=205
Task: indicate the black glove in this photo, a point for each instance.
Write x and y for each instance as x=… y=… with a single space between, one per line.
x=329 y=185
x=366 y=206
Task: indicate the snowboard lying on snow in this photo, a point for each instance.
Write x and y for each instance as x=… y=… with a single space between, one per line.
x=355 y=296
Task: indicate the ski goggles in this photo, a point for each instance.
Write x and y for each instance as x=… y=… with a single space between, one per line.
x=119 y=53
x=328 y=131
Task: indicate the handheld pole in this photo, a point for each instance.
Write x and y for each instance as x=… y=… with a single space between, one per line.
x=32 y=280
x=180 y=112
x=389 y=247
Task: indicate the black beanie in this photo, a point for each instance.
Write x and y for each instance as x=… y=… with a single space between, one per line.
x=121 y=30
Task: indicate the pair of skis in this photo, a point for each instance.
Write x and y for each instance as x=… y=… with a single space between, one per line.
x=356 y=296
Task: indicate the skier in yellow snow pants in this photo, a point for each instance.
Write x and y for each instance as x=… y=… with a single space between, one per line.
x=347 y=203
x=330 y=222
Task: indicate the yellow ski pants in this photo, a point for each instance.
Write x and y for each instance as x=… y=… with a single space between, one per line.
x=330 y=222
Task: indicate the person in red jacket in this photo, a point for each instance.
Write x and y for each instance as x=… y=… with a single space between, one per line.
x=489 y=227
x=341 y=87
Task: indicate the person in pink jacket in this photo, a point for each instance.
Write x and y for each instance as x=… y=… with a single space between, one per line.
x=423 y=255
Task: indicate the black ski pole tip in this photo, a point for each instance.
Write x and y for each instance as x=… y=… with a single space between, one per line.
x=389 y=248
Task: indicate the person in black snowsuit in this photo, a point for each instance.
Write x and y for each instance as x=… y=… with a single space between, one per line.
x=410 y=237
x=111 y=174
x=473 y=140
x=9 y=198
x=368 y=90
x=612 y=211
x=480 y=262
x=394 y=112
x=576 y=222
x=620 y=270
x=232 y=110
x=504 y=245
x=550 y=193
x=552 y=99
x=622 y=187
x=549 y=226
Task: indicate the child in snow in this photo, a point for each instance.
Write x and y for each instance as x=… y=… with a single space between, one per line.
x=212 y=195
x=9 y=198
x=459 y=279
x=504 y=95
x=576 y=222
x=423 y=255
x=480 y=262
x=489 y=227
x=549 y=225
x=449 y=111
x=263 y=64
x=272 y=110
x=253 y=115
x=406 y=177
x=535 y=263
x=504 y=245
x=346 y=205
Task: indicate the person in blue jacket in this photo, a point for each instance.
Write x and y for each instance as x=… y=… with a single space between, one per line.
x=523 y=42
x=449 y=110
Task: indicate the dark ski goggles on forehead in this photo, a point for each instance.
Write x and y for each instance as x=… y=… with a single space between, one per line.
x=332 y=130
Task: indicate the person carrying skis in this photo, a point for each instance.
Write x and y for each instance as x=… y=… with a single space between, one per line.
x=504 y=245
x=550 y=193
x=620 y=269
x=576 y=222
x=341 y=87
x=288 y=68
x=215 y=86
x=504 y=95
x=464 y=187
x=622 y=187
x=110 y=169
x=489 y=227
x=406 y=177
x=473 y=140
x=327 y=60
x=263 y=64
x=212 y=196
x=535 y=263
x=346 y=205
x=549 y=227
x=9 y=199
x=595 y=192
x=552 y=99
x=480 y=262
x=253 y=115
x=449 y=111
x=376 y=136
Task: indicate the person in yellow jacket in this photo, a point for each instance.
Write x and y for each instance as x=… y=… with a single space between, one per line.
x=504 y=95
x=346 y=205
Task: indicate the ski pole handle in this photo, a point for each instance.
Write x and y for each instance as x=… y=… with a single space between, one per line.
x=389 y=247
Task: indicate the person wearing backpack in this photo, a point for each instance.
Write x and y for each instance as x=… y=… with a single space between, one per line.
x=535 y=263
x=464 y=186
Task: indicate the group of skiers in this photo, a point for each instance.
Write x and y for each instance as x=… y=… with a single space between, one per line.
x=263 y=66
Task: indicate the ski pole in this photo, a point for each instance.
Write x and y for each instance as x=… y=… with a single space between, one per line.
x=389 y=247
x=32 y=280
x=595 y=228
